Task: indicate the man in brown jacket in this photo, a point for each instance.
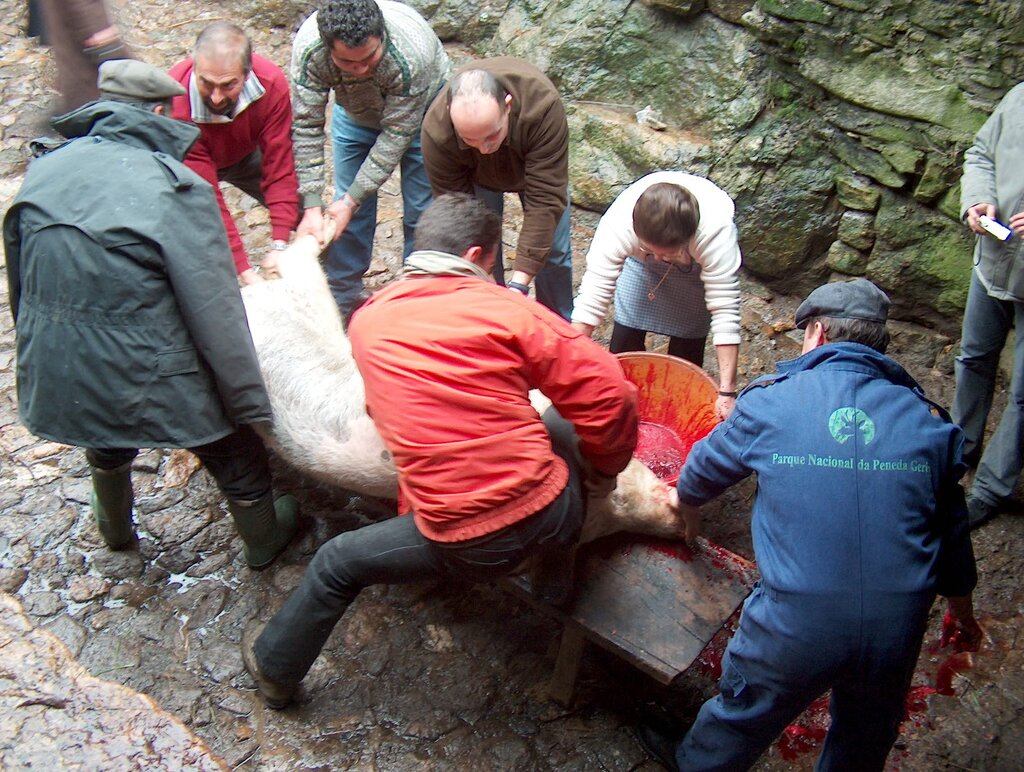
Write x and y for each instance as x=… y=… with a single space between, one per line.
x=499 y=126
x=82 y=36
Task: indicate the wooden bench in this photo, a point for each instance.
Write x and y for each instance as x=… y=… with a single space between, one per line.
x=652 y=602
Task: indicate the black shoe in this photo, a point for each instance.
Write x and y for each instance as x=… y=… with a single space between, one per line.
x=979 y=511
x=275 y=694
x=658 y=746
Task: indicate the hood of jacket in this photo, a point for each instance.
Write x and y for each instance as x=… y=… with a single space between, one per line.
x=120 y=122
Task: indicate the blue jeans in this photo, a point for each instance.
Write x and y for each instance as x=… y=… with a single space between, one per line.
x=349 y=256
x=790 y=650
x=393 y=551
x=987 y=322
x=553 y=285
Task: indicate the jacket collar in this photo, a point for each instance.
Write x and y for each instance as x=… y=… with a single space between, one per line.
x=131 y=125
x=850 y=356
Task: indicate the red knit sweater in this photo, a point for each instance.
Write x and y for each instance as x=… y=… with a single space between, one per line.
x=264 y=125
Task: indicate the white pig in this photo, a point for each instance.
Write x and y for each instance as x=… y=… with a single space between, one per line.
x=320 y=421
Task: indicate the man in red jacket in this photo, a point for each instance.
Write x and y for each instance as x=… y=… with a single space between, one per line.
x=448 y=358
x=241 y=105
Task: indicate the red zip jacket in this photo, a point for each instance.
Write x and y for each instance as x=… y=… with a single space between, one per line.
x=264 y=125
x=448 y=362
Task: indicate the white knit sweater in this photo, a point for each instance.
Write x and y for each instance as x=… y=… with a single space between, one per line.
x=714 y=248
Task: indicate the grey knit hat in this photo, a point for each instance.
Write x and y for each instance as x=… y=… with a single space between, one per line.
x=129 y=80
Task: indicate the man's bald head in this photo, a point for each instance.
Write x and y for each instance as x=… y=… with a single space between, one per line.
x=479 y=107
x=221 y=61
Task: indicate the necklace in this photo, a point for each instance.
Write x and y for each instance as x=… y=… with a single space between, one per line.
x=653 y=293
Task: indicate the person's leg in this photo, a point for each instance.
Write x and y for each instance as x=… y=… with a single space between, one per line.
x=690 y=349
x=626 y=339
x=415 y=193
x=868 y=706
x=495 y=201
x=388 y=552
x=1003 y=457
x=349 y=256
x=770 y=673
x=246 y=175
x=553 y=285
x=987 y=322
x=553 y=566
x=240 y=465
x=112 y=494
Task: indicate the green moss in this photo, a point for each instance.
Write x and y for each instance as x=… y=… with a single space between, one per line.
x=797 y=10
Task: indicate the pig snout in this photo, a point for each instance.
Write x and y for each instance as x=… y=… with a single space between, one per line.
x=640 y=504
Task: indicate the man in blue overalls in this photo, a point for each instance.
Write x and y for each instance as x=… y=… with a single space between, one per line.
x=858 y=523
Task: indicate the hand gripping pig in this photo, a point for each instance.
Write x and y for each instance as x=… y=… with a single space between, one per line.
x=320 y=421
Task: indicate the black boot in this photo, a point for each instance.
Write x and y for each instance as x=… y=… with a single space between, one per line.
x=112 y=499
x=266 y=526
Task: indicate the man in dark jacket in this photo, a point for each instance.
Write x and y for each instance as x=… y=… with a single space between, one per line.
x=858 y=523
x=499 y=127
x=131 y=331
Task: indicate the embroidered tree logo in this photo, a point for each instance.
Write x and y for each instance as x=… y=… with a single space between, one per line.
x=846 y=422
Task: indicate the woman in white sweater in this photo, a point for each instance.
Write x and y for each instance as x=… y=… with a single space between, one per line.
x=667 y=251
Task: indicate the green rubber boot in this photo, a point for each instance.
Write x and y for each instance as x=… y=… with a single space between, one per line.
x=112 y=500
x=266 y=526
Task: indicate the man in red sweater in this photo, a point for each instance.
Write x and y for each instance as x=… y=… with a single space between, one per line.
x=241 y=105
x=448 y=358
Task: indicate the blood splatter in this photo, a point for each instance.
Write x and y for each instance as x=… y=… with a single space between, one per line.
x=956 y=663
x=806 y=733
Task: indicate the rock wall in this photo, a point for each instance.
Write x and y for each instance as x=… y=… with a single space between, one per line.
x=838 y=126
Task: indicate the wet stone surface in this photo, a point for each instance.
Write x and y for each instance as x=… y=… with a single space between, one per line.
x=148 y=670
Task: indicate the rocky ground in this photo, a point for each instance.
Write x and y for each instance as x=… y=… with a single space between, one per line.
x=446 y=677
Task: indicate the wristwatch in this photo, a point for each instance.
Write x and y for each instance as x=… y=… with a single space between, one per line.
x=279 y=244
x=518 y=287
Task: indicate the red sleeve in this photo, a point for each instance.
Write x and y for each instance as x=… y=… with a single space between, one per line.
x=280 y=185
x=199 y=161
x=586 y=384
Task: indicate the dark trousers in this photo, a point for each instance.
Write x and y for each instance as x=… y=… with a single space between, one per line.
x=239 y=463
x=395 y=552
x=246 y=175
x=631 y=339
x=790 y=649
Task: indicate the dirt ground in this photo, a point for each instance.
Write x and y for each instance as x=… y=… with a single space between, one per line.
x=405 y=696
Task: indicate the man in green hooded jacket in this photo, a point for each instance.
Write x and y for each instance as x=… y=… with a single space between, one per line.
x=130 y=328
